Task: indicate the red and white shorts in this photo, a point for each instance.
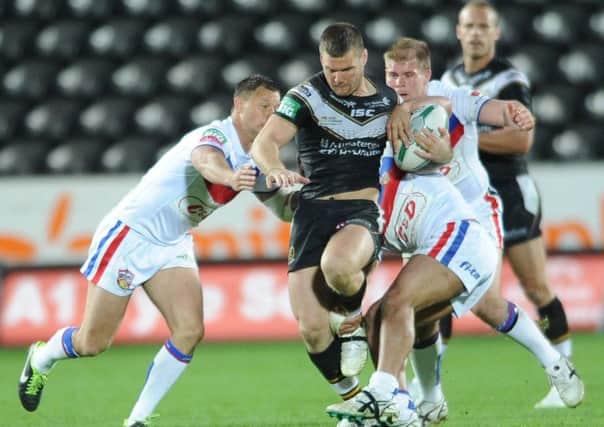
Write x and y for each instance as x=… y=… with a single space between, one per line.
x=120 y=259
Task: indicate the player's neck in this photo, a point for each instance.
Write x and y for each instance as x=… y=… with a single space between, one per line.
x=473 y=65
x=366 y=88
x=245 y=139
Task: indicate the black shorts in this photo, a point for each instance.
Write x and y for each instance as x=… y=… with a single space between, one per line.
x=521 y=208
x=315 y=221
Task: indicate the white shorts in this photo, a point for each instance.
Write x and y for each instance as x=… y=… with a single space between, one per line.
x=120 y=259
x=489 y=212
x=464 y=248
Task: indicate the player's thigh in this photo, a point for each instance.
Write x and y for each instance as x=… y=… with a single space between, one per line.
x=177 y=293
x=350 y=249
x=103 y=314
x=426 y=318
x=424 y=282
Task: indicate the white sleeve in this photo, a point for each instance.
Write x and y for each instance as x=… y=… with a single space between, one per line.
x=467 y=103
x=213 y=137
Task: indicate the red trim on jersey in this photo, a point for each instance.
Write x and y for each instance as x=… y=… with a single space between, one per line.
x=395 y=176
x=443 y=240
x=109 y=253
x=456 y=134
x=220 y=193
x=495 y=205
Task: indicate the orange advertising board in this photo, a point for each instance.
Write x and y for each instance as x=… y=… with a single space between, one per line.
x=250 y=301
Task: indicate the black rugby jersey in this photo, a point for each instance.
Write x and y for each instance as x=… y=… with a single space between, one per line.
x=500 y=80
x=340 y=140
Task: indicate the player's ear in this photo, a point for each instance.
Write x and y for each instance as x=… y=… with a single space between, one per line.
x=364 y=57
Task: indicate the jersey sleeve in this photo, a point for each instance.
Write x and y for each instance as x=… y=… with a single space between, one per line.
x=518 y=92
x=293 y=109
x=466 y=104
x=213 y=137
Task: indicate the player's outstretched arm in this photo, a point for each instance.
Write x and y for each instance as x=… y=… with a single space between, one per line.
x=516 y=123
x=265 y=151
x=282 y=202
x=212 y=165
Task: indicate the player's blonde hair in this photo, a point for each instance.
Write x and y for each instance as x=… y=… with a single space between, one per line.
x=408 y=49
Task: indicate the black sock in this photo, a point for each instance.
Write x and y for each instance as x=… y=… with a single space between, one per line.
x=553 y=321
x=446 y=328
x=328 y=361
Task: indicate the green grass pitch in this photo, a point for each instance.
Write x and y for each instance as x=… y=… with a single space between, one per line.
x=489 y=381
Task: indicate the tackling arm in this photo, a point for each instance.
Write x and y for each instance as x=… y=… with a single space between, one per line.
x=282 y=202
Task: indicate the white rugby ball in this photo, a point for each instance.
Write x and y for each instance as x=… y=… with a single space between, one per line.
x=431 y=117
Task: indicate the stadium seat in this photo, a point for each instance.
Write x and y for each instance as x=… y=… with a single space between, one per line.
x=146 y=8
x=594 y=104
x=583 y=65
x=259 y=7
x=539 y=63
x=85 y=78
x=32 y=79
x=577 y=143
x=515 y=26
x=366 y=5
x=390 y=25
x=76 y=156
x=98 y=9
x=42 y=9
x=561 y=24
x=130 y=154
x=227 y=36
x=557 y=104
x=215 y=107
x=197 y=75
x=52 y=119
x=164 y=116
x=236 y=71
x=209 y=8
x=284 y=34
x=23 y=157
x=108 y=118
x=11 y=117
x=171 y=37
x=318 y=7
x=596 y=24
x=120 y=38
x=439 y=29
x=141 y=76
x=542 y=143
x=63 y=39
x=298 y=69
x=16 y=38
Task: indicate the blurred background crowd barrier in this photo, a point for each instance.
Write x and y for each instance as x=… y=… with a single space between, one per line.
x=92 y=92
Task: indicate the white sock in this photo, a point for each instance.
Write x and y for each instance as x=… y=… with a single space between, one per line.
x=565 y=348
x=169 y=363
x=527 y=333
x=403 y=399
x=58 y=347
x=426 y=365
x=383 y=382
x=346 y=387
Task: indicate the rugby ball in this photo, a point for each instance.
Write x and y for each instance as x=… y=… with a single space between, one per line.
x=431 y=117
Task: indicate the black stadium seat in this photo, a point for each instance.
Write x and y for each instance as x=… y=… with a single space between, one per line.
x=163 y=116
x=75 y=156
x=63 y=39
x=130 y=154
x=120 y=38
x=11 y=117
x=196 y=75
x=594 y=104
x=23 y=157
x=42 y=9
x=108 y=118
x=31 y=79
x=98 y=9
x=215 y=107
x=17 y=38
x=54 y=119
x=85 y=78
x=171 y=37
x=141 y=76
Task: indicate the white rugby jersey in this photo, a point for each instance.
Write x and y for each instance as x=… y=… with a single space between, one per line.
x=465 y=170
x=415 y=205
x=172 y=197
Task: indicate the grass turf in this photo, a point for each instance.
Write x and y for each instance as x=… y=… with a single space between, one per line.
x=488 y=381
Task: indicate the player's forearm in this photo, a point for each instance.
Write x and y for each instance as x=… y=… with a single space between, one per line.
x=266 y=155
x=506 y=141
x=212 y=166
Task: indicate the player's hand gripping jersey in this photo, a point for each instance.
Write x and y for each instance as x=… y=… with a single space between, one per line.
x=425 y=214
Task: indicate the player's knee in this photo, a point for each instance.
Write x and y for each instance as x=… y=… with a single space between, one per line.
x=314 y=335
x=187 y=337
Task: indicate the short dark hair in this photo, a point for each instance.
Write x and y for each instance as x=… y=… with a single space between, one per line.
x=253 y=82
x=339 y=38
